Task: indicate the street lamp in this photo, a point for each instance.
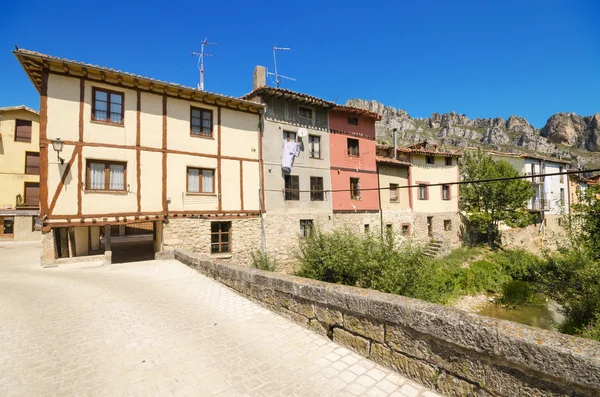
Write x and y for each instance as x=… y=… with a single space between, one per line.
x=58 y=145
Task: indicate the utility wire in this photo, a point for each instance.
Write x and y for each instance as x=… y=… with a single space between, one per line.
x=442 y=183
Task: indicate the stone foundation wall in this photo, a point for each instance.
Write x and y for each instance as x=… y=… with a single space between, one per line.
x=356 y=222
x=530 y=238
x=451 y=238
x=24 y=229
x=194 y=235
x=455 y=352
x=48 y=250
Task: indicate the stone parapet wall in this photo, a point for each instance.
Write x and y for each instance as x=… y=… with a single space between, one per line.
x=455 y=352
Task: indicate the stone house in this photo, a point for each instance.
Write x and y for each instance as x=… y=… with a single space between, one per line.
x=355 y=195
x=126 y=159
x=296 y=195
x=19 y=174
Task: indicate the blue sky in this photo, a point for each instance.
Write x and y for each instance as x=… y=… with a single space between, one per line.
x=482 y=58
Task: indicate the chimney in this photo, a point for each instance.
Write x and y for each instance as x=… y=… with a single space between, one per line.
x=260 y=77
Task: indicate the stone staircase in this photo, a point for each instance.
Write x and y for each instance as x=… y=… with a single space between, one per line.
x=434 y=248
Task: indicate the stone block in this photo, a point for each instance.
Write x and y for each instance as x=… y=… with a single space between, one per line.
x=282 y=299
x=365 y=327
x=295 y=317
x=303 y=307
x=316 y=326
x=354 y=342
x=455 y=387
x=410 y=367
x=329 y=316
x=164 y=255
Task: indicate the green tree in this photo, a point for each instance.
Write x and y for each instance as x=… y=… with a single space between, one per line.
x=487 y=204
x=586 y=214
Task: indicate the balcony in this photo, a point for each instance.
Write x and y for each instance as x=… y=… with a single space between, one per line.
x=535 y=178
x=540 y=204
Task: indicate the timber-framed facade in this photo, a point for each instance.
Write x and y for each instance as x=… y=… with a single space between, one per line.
x=148 y=148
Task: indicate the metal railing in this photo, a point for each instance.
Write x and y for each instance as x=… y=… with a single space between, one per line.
x=535 y=178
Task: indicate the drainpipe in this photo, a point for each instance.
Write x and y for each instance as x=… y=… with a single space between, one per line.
x=261 y=124
x=379 y=196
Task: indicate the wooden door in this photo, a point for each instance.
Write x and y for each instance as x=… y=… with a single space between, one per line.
x=7 y=227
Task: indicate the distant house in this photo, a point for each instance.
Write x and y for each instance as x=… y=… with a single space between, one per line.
x=355 y=195
x=296 y=152
x=19 y=173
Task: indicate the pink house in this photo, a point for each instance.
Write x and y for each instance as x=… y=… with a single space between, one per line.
x=352 y=150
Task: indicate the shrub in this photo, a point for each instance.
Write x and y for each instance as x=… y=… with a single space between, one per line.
x=518 y=264
x=518 y=293
x=483 y=275
x=261 y=261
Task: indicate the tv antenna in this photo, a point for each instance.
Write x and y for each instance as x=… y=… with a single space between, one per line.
x=278 y=76
x=201 y=56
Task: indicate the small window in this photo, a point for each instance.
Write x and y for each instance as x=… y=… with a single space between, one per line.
x=220 y=237
x=289 y=136
x=448 y=160
x=389 y=228
x=405 y=229
x=104 y=175
x=314 y=146
x=292 y=187
x=305 y=112
x=306 y=227
x=447 y=225
x=367 y=228
x=200 y=180
x=353 y=120
x=353 y=147
x=201 y=122
x=355 y=188
x=32 y=163
x=32 y=194
x=316 y=188
x=423 y=192
x=394 y=192
x=36 y=224
x=446 y=192
x=22 y=130
x=430 y=159
x=562 y=196
x=107 y=106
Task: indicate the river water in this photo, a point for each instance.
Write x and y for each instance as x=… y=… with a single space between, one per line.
x=545 y=317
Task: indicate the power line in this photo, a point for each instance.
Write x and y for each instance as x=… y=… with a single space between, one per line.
x=447 y=183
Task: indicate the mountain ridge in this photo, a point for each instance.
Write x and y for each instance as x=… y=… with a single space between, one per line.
x=566 y=136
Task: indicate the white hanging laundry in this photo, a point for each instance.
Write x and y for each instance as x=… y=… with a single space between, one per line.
x=290 y=150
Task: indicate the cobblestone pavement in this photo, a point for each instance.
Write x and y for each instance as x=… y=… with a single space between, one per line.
x=158 y=328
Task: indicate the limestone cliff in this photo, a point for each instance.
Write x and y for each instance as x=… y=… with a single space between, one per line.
x=566 y=135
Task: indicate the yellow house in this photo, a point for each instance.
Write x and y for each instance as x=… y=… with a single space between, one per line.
x=136 y=166
x=19 y=174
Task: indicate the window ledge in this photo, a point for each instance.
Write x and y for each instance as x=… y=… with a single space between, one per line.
x=221 y=256
x=122 y=125
x=200 y=194
x=202 y=136
x=121 y=192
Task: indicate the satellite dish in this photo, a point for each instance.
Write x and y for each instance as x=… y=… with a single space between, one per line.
x=302 y=132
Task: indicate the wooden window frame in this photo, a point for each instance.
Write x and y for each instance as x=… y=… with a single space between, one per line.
x=355 y=195
x=305 y=108
x=220 y=242
x=420 y=184
x=108 y=92
x=291 y=194
x=449 y=161
x=212 y=122
x=397 y=191
x=311 y=146
x=200 y=192
x=352 y=120
x=303 y=229
x=351 y=140
x=26 y=156
x=317 y=195
x=30 y=133
x=107 y=164
x=408 y=233
x=432 y=158
x=449 y=192
x=25 y=184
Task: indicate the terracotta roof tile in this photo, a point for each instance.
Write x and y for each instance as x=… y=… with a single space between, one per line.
x=389 y=160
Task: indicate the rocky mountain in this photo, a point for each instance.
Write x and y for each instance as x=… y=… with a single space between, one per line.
x=567 y=136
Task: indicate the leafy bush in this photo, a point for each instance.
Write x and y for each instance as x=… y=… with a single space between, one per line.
x=518 y=293
x=483 y=275
x=518 y=264
x=261 y=261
